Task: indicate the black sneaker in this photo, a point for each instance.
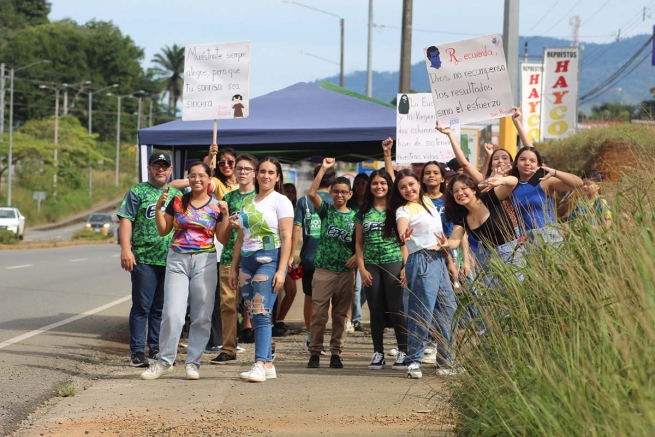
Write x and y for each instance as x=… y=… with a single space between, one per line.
x=335 y=362
x=314 y=361
x=248 y=336
x=153 y=355
x=377 y=362
x=223 y=358
x=139 y=360
x=280 y=329
x=358 y=326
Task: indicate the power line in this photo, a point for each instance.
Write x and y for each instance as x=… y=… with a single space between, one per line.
x=597 y=11
x=614 y=78
x=541 y=20
x=619 y=80
x=563 y=17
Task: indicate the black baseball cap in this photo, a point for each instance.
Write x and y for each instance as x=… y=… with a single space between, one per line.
x=453 y=164
x=159 y=156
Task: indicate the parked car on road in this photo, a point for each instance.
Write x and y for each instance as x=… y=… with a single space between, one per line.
x=101 y=222
x=12 y=220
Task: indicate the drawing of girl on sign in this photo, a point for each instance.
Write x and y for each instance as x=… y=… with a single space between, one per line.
x=238 y=106
x=403 y=105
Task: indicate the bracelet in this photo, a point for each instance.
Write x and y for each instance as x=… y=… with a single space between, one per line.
x=555 y=175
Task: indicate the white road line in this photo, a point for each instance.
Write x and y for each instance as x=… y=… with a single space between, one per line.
x=27 y=335
x=18 y=267
x=78 y=259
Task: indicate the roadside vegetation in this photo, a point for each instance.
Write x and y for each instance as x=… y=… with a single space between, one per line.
x=570 y=350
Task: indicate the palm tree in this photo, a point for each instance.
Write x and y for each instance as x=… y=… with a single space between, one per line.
x=170 y=67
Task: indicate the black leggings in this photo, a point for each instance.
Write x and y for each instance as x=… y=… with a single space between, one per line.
x=385 y=295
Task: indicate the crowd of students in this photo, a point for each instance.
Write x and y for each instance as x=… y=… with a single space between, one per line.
x=404 y=241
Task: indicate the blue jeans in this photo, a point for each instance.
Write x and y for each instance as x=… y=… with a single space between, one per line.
x=431 y=302
x=359 y=299
x=189 y=278
x=147 y=304
x=256 y=283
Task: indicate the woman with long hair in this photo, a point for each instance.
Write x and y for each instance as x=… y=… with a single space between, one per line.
x=480 y=213
x=380 y=264
x=191 y=274
x=262 y=252
x=414 y=220
x=533 y=196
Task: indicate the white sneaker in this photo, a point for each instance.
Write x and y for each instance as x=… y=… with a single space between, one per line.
x=429 y=359
x=350 y=329
x=399 y=364
x=240 y=350
x=270 y=373
x=155 y=371
x=192 y=371
x=257 y=373
x=414 y=371
x=393 y=352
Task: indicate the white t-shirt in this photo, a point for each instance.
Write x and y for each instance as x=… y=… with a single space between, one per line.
x=423 y=224
x=259 y=221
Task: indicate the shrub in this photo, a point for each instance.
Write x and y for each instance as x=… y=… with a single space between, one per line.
x=88 y=234
x=7 y=237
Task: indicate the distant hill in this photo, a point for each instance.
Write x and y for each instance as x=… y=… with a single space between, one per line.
x=599 y=61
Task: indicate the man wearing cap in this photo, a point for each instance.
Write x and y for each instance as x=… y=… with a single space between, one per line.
x=143 y=254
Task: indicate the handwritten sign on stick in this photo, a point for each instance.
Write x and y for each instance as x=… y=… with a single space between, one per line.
x=216 y=81
x=469 y=81
x=417 y=140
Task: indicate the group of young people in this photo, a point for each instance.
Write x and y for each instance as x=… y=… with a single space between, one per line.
x=409 y=238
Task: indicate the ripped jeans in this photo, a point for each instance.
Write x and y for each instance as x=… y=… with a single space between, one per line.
x=256 y=284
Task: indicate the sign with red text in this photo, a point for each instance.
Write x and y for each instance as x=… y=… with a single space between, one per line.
x=216 y=81
x=469 y=81
x=559 y=93
x=417 y=139
x=531 y=75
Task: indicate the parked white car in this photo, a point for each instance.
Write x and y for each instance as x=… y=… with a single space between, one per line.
x=12 y=220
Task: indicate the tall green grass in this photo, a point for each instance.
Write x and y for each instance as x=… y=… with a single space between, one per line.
x=570 y=351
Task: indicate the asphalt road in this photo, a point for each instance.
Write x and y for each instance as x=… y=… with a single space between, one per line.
x=64 y=233
x=58 y=289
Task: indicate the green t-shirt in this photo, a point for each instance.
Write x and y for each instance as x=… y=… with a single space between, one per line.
x=234 y=201
x=336 y=244
x=138 y=207
x=377 y=249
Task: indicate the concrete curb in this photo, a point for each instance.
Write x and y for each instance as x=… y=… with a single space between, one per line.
x=54 y=243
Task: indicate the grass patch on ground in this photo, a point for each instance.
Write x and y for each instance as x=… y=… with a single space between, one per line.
x=66 y=390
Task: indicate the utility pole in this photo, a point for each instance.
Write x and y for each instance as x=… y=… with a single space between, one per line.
x=343 y=34
x=66 y=102
x=369 y=58
x=525 y=51
x=507 y=134
x=406 y=47
x=2 y=101
x=150 y=115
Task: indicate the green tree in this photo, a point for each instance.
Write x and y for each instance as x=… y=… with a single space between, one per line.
x=170 y=68
x=613 y=111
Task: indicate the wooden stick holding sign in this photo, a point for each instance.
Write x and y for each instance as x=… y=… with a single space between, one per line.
x=214 y=142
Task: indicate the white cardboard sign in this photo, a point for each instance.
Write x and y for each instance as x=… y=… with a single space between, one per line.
x=417 y=139
x=216 y=81
x=469 y=81
x=531 y=75
x=559 y=93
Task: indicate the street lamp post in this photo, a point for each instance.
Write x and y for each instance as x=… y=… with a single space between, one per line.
x=342 y=33
x=91 y=130
x=10 y=166
x=56 y=90
x=118 y=128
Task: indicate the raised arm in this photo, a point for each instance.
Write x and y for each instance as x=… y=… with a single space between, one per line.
x=459 y=154
x=388 y=163
x=523 y=135
x=316 y=183
x=502 y=185
x=489 y=149
x=556 y=181
x=163 y=221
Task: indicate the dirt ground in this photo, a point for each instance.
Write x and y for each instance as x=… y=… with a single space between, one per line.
x=112 y=400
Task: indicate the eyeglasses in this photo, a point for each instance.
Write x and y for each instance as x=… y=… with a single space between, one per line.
x=198 y=176
x=160 y=166
x=245 y=170
x=459 y=190
x=340 y=192
x=229 y=163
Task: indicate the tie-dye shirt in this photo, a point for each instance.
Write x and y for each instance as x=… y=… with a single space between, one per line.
x=194 y=229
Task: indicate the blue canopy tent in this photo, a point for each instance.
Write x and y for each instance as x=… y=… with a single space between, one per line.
x=295 y=123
